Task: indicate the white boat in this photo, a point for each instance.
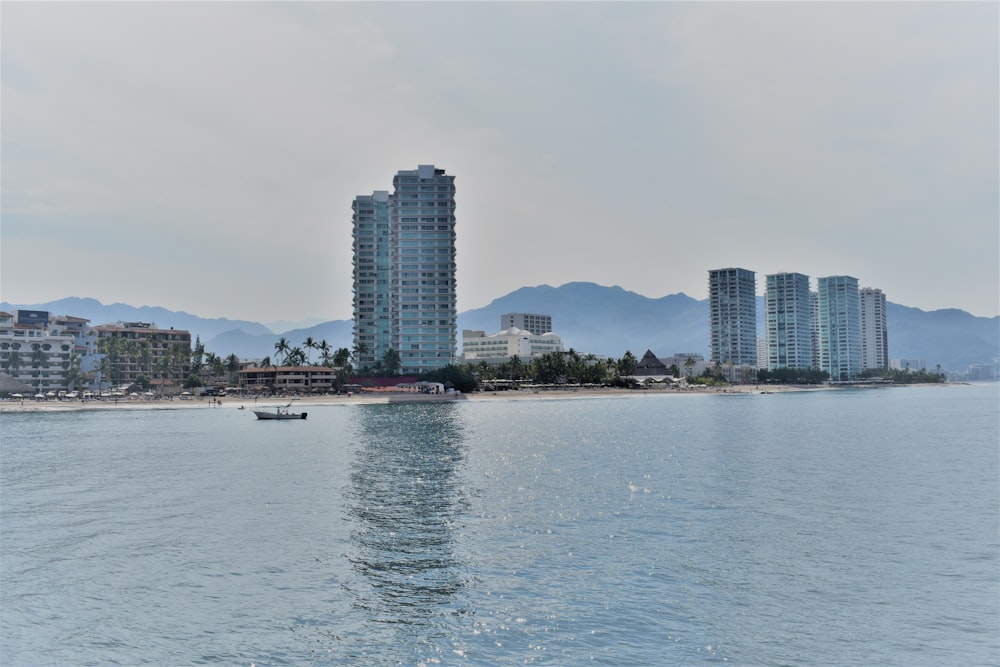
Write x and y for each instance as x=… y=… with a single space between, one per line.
x=279 y=412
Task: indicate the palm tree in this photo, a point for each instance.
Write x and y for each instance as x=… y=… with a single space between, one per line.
x=282 y=347
x=145 y=357
x=213 y=364
x=218 y=366
x=104 y=372
x=688 y=365
x=324 y=349
x=197 y=355
x=295 y=357
x=232 y=365
x=163 y=367
x=341 y=357
x=309 y=345
x=73 y=373
x=13 y=363
x=627 y=364
x=359 y=349
x=390 y=362
x=515 y=369
x=38 y=357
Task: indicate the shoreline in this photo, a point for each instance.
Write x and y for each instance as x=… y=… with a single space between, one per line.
x=237 y=403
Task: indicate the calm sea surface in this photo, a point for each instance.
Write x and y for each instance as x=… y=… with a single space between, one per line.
x=825 y=528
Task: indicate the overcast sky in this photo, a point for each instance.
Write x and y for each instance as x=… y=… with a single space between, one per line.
x=204 y=156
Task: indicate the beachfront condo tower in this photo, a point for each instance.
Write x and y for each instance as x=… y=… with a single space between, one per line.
x=404 y=273
x=788 y=321
x=839 y=327
x=874 y=332
x=732 y=315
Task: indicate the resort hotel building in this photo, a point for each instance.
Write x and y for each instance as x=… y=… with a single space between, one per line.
x=404 y=272
x=53 y=353
x=511 y=341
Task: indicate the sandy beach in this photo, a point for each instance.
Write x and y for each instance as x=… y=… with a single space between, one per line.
x=237 y=402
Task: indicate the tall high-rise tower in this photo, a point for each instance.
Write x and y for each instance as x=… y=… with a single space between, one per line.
x=788 y=320
x=732 y=316
x=404 y=272
x=371 y=278
x=839 y=327
x=874 y=332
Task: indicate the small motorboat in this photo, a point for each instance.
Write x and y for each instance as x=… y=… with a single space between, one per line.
x=279 y=412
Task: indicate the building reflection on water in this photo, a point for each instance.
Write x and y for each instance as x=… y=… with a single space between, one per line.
x=405 y=501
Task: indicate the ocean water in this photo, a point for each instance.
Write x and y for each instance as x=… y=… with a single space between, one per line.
x=821 y=528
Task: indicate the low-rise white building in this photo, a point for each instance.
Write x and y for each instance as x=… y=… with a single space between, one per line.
x=36 y=349
x=478 y=346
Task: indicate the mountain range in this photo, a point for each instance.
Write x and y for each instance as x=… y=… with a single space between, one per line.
x=590 y=318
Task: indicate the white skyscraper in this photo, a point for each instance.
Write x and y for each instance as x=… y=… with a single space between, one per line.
x=732 y=315
x=404 y=272
x=839 y=327
x=874 y=332
x=788 y=321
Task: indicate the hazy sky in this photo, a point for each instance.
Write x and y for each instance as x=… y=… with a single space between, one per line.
x=204 y=156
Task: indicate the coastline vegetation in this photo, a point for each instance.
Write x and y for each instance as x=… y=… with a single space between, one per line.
x=122 y=358
x=903 y=376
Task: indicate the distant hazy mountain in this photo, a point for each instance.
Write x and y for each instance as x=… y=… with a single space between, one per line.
x=950 y=337
x=590 y=318
x=593 y=319
x=337 y=334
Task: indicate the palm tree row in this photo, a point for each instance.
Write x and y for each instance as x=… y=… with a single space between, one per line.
x=301 y=356
x=136 y=361
x=560 y=368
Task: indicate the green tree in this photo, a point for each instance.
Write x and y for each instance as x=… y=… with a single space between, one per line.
x=73 y=372
x=283 y=348
x=295 y=357
x=38 y=359
x=197 y=356
x=360 y=349
x=164 y=367
x=391 y=362
x=627 y=364
x=324 y=350
x=13 y=363
x=232 y=366
x=341 y=357
x=515 y=368
x=459 y=377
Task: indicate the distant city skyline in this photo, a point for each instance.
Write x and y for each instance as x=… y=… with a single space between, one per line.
x=625 y=144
